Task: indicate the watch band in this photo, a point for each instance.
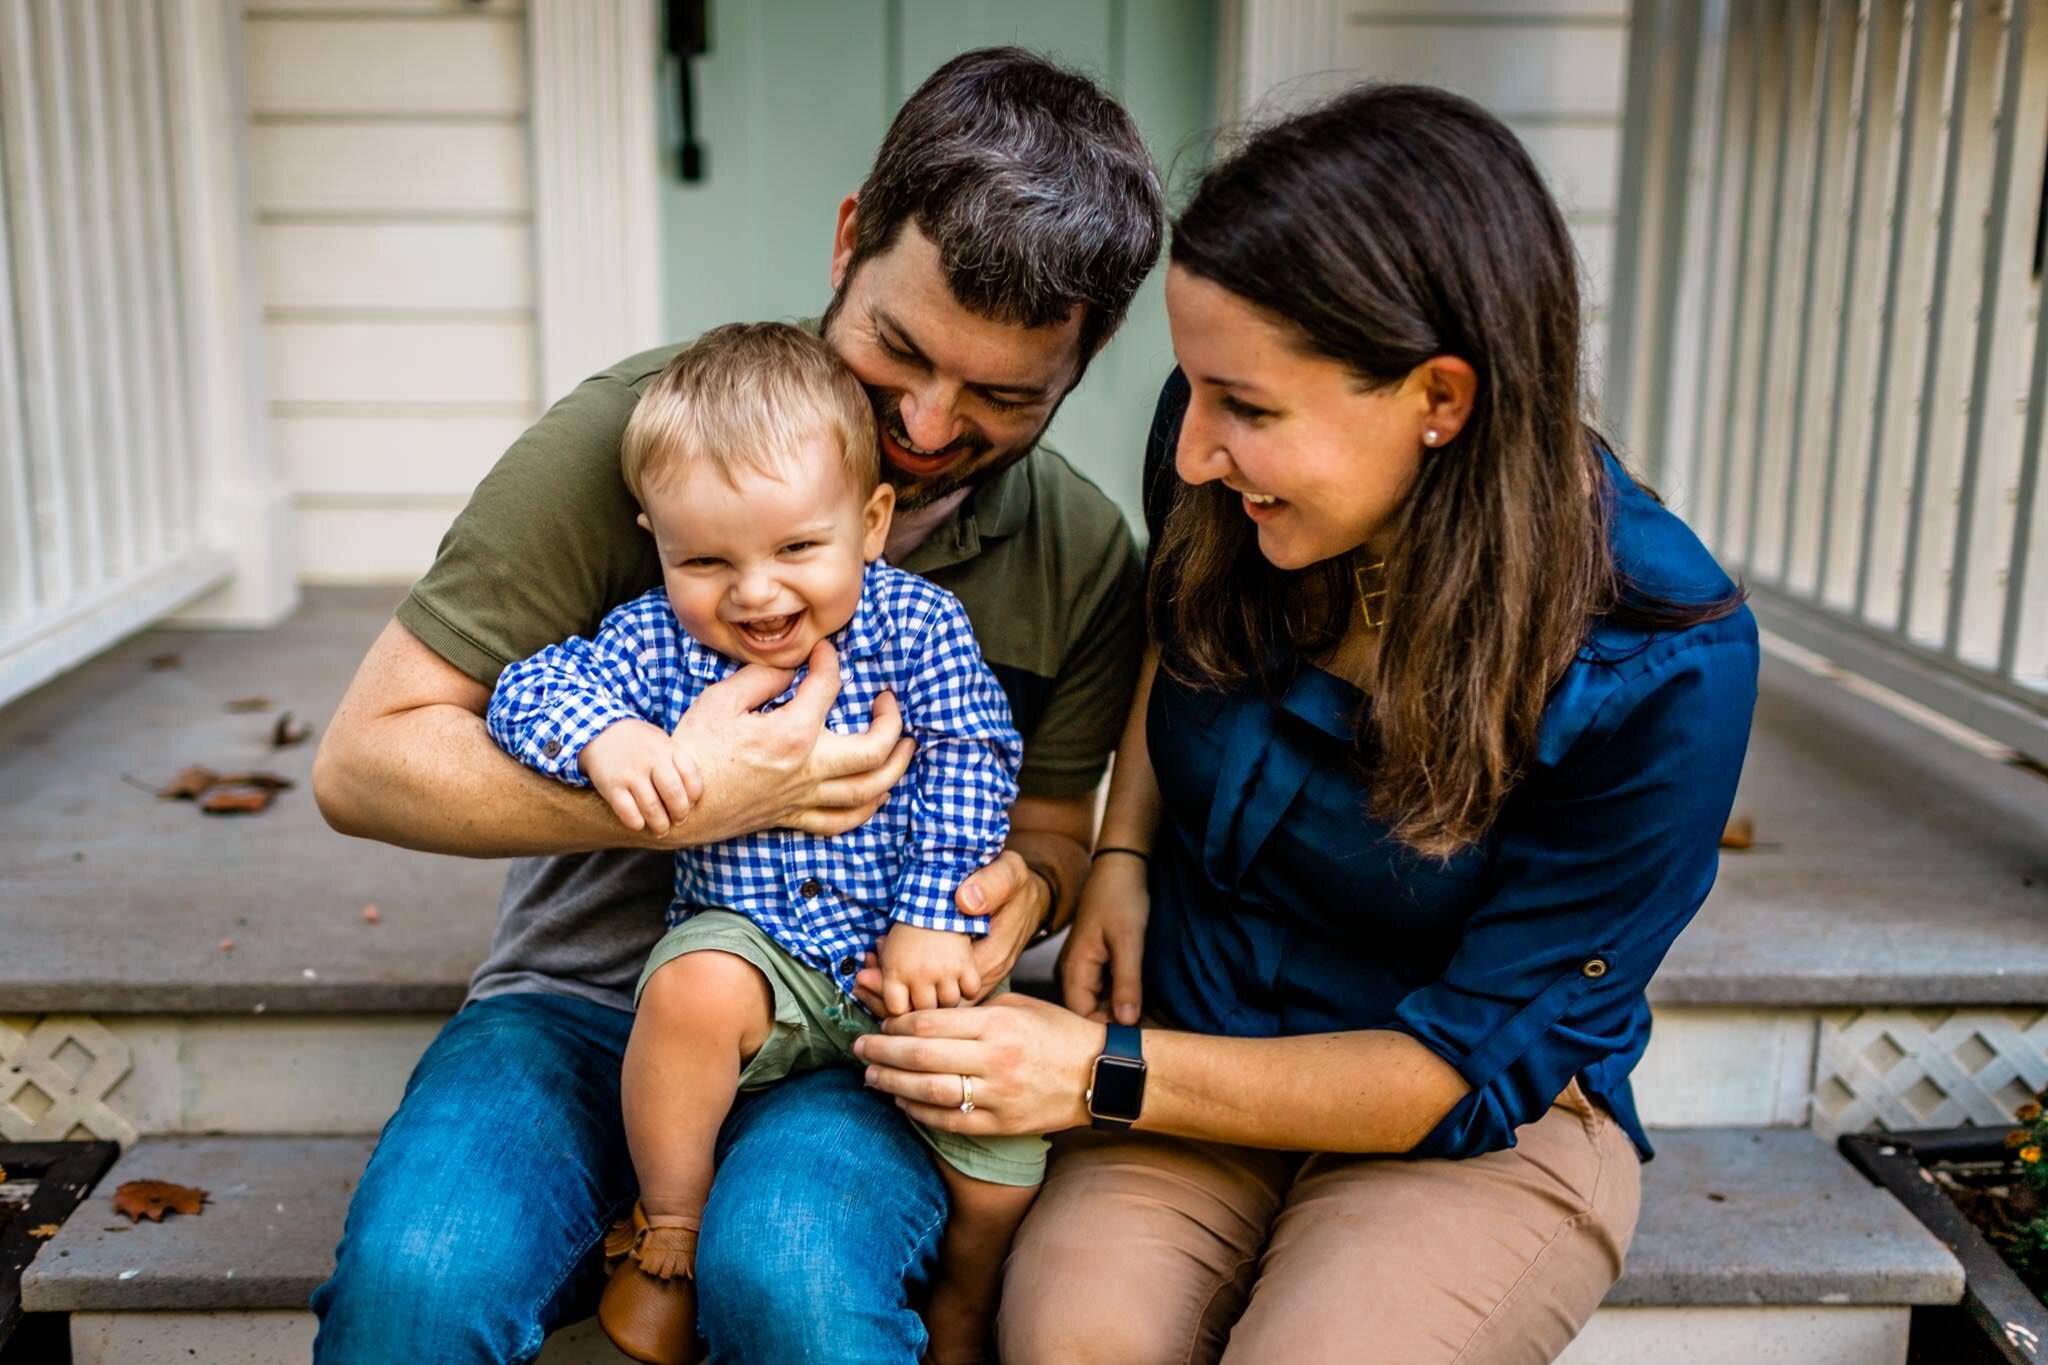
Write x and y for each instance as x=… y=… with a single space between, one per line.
x=1116 y=1095
x=1124 y=1040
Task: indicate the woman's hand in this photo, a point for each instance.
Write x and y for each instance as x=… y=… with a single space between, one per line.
x=1028 y=1062
x=1099 y=971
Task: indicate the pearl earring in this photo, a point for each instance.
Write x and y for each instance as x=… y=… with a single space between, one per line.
x=1429 y=437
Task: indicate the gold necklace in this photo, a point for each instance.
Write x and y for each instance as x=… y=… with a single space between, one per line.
x=1369 y=594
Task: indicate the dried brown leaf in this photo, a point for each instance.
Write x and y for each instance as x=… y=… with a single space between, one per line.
x=372 y=915
x=249 y=704
x=227 y=945
x=189 y=785
x=1740 y=833
x=267 y=781
x=235 y=800
x=160 y=662
x=284 y=734
x=43 y=1231
x=152 y=1199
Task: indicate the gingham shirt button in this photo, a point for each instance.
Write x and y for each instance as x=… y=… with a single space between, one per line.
x=810 y=888
x=846 y=965
x=552 y=747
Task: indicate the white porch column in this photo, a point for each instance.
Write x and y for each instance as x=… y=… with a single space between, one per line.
x=596 y=159
x=243 y=506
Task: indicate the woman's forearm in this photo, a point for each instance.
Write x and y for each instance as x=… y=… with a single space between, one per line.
x=1130 y=817
x=1369 y=1091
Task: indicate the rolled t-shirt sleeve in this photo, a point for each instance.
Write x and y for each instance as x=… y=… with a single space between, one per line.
x=1600 y=863
x=546 y=545
x=1069 y=750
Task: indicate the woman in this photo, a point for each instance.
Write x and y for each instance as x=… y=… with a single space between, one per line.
x=1428 y=770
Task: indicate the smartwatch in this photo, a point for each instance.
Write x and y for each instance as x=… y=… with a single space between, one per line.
x=1116 y=1094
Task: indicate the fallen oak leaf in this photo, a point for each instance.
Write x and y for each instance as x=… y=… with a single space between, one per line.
x=1739 y=833
x=152 y=1199
x=43 y=1231
x=284 y=734
x=372 y=915
x=189 y=785
x=237 y=799
x=267 y=781
x=158 y=663
x=227 y=945
x=249 y=704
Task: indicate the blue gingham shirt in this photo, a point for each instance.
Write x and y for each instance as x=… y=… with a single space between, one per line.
x=826 y=900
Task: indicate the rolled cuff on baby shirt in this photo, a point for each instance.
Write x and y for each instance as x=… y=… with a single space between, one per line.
x=546 y=709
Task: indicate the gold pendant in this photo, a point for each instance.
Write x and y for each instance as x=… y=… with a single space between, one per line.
x=1368 y=596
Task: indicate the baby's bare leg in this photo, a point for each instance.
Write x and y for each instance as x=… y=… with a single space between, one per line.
x=701 y=1018
x=962 y=1312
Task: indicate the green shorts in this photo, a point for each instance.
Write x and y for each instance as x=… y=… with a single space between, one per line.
x=815 y=1026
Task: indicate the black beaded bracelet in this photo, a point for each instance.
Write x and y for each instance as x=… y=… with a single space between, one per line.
x=1137 y=853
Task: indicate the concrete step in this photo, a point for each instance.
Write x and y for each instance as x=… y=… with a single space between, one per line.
x=1893 y=866
x=1882 y=946
x=1750 y=1242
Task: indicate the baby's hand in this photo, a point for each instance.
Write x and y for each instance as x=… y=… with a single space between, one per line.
x=648 y=778
x=926 y=969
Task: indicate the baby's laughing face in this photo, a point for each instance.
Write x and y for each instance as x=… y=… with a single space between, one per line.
x=763 y=567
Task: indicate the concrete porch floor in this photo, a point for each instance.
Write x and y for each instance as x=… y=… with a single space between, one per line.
x=1894 y=866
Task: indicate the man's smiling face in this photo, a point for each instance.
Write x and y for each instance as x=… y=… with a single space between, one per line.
x=957 y=397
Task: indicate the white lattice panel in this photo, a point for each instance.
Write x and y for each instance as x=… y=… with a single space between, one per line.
x=55 y=1075
x=1894 y=1069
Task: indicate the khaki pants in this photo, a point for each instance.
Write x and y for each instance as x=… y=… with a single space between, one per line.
x=1150 y=1249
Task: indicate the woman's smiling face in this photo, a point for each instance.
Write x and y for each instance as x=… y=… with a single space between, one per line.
x=1319 y=462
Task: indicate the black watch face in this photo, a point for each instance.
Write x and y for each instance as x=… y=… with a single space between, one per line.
x=1119 y=1088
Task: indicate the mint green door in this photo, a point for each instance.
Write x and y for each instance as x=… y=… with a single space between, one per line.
x=795 y=96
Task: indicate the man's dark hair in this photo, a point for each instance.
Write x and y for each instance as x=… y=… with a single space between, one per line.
x=1033 y=184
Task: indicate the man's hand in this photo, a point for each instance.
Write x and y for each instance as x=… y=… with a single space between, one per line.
x=783 y=769
x=925 y=969
x=648 y=779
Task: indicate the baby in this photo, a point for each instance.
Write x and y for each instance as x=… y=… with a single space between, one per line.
x=753 y=459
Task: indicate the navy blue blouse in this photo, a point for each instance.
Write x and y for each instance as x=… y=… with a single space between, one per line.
x=1279 y=907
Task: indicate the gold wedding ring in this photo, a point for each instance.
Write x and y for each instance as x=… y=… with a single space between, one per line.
x=966 y=1095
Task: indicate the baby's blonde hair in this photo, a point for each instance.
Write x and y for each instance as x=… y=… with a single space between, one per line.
x=746 y=396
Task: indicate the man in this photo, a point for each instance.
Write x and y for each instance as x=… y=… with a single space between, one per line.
x=1010 y=215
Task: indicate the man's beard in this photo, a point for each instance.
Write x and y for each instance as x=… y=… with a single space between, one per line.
x=914 y=493
x=970 y=467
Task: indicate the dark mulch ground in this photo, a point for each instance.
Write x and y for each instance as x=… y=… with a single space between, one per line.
x=41 y=1339
x=1999 y=1202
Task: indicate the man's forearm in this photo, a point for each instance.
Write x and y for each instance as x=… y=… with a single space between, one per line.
x=1062 y=860
x=430 y=778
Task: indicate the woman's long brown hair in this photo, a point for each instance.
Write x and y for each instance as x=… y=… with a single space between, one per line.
x=1386 y=227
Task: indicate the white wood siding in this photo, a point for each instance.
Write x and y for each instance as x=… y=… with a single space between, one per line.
x=1553 y=70
x=389 y=165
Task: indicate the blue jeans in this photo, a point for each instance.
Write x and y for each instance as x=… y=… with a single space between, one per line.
x=476 y=1228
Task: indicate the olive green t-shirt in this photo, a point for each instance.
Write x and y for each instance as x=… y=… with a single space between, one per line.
x=1040 y=557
